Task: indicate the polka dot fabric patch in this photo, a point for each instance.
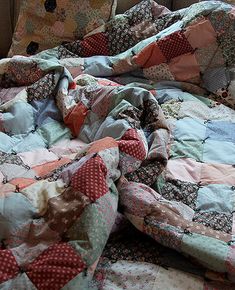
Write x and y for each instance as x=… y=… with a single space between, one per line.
x=132 y=145
x=96 y=44
x=8 y=266
x=174 y=45
x=55 y=267
x=90 y=179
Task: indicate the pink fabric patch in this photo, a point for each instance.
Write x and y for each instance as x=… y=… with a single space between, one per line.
x=37 y=157
x=9 y=94
x=206 y=32
x=218 y=174
x=184 y=169
x=184 y=67
x=66 y=147
x=55 y=267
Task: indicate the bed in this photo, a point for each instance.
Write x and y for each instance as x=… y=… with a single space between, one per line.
x=117 y=156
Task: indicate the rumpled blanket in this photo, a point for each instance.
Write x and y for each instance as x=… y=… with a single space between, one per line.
x=149 y=132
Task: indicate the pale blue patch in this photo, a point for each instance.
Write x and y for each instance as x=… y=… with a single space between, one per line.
x=112 y=128
x=28 y=143
x=189 y=129
x=221 y=130
x=98 y=66
x=215 y=197
x=19 y=119
x=219 y=152
x=45 y=110
x=7 y=142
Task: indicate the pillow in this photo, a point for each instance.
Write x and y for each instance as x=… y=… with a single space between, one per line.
x=44 y=24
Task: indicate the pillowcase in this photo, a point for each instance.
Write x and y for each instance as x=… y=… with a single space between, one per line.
x=44 y=24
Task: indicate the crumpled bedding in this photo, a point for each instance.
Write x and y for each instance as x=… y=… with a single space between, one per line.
x=148 y=132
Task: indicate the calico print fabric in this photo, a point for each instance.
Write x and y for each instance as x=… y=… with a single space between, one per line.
x=45 y=24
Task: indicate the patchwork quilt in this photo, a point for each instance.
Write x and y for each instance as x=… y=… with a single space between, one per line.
x=143 y=134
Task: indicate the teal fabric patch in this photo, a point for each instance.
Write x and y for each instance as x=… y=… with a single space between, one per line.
x=15 y=210
x=210 y=252
x=6 y=142
x=21 y=281
x=83 y=280
x=219 y=152
x=19 y=119
x=190 y=129
x=52 y=132
x=89 y=235
x=215 y=197
x=187 y=149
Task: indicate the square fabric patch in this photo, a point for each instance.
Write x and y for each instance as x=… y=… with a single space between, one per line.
x=180 y=191
x=184 y=169
x=189 y=129
x=221 y=131
x=174 y=45
x=206 y=32
x=55 y=267
x=187 y=149
x=215 y=220
x=184 y=67
x=216 y=78
x=46 y=24
x=214 y=174
x=218 y=152
x=215 y=197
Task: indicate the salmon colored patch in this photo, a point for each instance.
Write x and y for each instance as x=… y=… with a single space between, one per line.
x=75 y=119
x=217 y=174
x=22 y=183
x=151 y=55
x=44 y=169
x=105 y=82
x=184 y=67
x=206 y=32
x=102 y=144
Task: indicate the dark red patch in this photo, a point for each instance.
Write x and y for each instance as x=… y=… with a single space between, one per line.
x=96 y=44
x=132 y=144
x=174 y=45
x=8 y=266
x=90 y=179
x=55 y=267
